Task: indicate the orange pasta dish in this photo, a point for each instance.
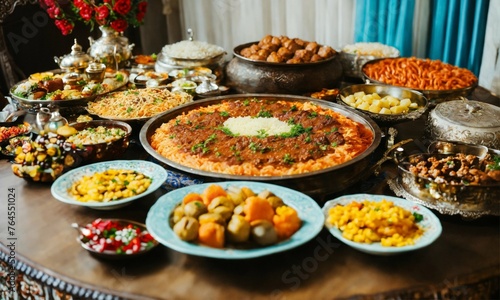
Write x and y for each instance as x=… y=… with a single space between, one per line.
x=261 y=137
x=423 y=74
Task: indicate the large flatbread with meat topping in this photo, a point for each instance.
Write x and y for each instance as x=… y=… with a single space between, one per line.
x=261 y=137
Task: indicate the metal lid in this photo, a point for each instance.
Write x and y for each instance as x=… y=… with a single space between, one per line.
x=190 y=53
x=76 y=59
x=469 y=113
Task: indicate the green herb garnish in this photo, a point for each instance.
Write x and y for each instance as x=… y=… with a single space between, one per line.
x=288 y=159
x=418 y=217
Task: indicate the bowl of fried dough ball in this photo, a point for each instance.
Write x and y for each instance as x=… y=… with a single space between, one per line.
x=280 y=64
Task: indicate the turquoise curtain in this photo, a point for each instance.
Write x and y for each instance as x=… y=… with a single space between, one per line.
x=389 y=22
x=457 y=32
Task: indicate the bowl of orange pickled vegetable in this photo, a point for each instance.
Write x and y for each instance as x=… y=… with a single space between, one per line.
x=234 y=220
x=437 y=80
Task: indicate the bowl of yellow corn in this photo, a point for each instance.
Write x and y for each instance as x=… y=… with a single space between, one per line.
x=109 y=185
x=380 y=224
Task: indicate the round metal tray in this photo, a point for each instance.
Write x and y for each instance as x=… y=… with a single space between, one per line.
x=29 y=103
x=316 y=184
x=397 y=187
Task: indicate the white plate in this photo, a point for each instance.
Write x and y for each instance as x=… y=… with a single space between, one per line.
x=62 y=184
x=308 y=210
x=430 y=224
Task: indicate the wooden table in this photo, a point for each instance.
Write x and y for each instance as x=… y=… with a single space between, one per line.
x=463 y=262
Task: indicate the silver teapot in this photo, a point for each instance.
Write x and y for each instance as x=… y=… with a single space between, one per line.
x=111 y=49
x=49 y=119
x=76 y=61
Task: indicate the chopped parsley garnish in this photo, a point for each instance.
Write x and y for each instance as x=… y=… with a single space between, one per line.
x=265 y=114
x=262 y=133
x=253 y=146
x=495 y=165
x=297 y=129
x=288 y=159
x=224 y=114
x=227 y=131
x=418 y=217
x=204 y=145
x=119 y=77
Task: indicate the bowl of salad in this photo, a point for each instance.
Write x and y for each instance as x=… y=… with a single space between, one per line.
x=115 y=238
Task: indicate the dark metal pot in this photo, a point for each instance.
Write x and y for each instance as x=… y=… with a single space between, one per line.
x=317 y=184
x=250 y=76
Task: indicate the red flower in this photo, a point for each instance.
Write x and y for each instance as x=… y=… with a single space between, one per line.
x=119 y=25
x=122 y=6
x=79 y=3
x=86 y=12
x=101 y=13
x=49 y=3
x=54 y=12
x=141 y=11
x=142 y=6
x=64 y=26
x=117 y=14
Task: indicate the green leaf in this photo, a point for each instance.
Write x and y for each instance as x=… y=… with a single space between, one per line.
x=418 y=217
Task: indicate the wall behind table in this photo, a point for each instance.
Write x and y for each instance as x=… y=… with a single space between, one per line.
x=33 y=40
